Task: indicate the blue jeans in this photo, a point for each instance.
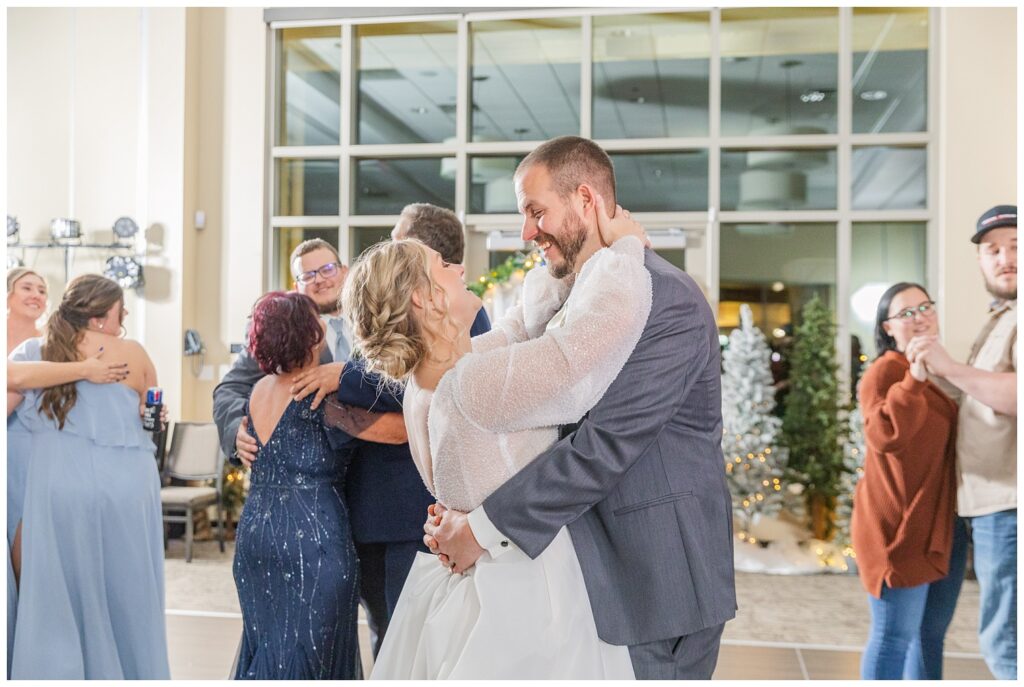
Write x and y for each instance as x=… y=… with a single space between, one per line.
x=908 y=625
x=995 y=564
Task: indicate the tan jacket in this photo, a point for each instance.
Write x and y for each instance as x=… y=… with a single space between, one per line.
x=986 y=445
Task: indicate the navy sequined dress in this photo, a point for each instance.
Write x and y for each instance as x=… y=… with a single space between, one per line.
x=295 y=565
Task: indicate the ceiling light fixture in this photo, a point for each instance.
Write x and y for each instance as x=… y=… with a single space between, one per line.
x=872 y=96
x=812 y=96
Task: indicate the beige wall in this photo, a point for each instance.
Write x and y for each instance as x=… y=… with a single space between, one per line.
x=227 y=75
x=151 y=113
x=977 y=120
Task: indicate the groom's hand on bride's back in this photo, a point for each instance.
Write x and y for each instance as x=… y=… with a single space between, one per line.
x=449 y=535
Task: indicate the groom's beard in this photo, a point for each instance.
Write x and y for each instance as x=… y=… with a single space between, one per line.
x=574 y=235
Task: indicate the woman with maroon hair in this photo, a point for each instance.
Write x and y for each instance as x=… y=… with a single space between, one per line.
x=295 y=565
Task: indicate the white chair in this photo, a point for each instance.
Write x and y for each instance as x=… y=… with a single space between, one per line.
x=195 y=455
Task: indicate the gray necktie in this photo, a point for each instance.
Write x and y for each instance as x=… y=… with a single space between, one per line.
x=342 y=349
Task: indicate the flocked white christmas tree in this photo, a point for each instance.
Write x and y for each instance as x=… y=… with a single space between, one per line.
x=754 y=462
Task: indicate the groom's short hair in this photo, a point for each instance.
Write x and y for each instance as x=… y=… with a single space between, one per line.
x=571 y=161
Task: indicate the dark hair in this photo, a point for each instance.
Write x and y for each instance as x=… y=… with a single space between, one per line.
x=437 y=227
x=86 y=297
x=309 y=246
x=883 y=340
x=285 y=329
x=571 y=161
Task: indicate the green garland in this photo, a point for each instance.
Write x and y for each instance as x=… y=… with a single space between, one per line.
x=502 y=273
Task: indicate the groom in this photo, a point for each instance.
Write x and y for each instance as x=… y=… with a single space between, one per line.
x=639 y=482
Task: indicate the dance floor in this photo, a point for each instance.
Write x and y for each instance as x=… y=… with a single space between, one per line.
x=787 y=627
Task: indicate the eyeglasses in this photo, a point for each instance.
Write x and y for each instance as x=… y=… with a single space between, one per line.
x=327 y=271
x=926 y=309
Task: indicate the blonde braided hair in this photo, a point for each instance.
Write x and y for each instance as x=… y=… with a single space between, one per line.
x=377 y=300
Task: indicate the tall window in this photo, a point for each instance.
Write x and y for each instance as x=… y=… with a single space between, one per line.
x=774 y=153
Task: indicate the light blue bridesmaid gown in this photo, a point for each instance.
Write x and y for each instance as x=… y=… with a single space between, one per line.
x=91 y=599
x=18 y=444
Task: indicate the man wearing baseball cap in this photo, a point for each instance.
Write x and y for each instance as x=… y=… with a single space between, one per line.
x=987 y=439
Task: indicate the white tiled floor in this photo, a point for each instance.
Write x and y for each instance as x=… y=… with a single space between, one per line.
x=814 y=625
x=203 y=647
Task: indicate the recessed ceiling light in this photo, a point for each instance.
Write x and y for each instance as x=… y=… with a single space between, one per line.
x=778 y=287
x=872 y=96
x=812 y=96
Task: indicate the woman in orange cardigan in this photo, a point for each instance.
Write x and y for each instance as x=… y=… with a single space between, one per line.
x=905 y=504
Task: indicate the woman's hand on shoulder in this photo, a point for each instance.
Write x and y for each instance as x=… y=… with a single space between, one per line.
x=619 y=225
x=99 y=371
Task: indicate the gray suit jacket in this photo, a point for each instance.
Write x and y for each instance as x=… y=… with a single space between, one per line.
x=641 y=483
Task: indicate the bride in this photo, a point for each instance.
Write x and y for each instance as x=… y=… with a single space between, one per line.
x=477 y=412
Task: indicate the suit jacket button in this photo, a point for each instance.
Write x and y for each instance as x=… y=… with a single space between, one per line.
x=504 y=542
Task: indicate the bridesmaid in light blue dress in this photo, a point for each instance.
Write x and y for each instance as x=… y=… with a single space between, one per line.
x=26 y=303
x=91 y=596
x=20 y=377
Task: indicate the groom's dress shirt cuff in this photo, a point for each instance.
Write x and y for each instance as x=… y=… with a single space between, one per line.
x=487 y=535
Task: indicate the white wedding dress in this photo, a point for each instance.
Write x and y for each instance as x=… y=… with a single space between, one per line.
x=511 y=617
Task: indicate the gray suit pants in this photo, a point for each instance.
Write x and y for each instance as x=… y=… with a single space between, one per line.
x=690 y=657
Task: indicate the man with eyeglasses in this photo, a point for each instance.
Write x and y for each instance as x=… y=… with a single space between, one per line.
x=987 y=438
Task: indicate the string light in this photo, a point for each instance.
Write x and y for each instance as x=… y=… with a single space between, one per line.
x=516 y=266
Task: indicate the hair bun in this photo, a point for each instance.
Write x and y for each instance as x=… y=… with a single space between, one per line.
x=377 y=300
